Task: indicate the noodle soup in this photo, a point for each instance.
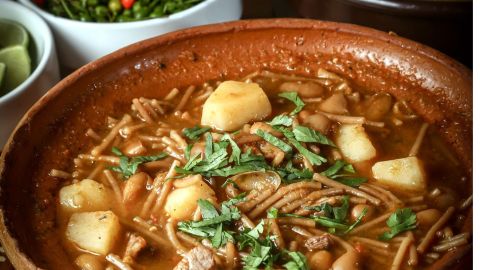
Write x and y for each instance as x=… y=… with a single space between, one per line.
x=269 y=171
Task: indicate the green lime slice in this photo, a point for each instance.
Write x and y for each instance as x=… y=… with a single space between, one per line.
x=18 y=67
x=12 y=33
x=2 y=73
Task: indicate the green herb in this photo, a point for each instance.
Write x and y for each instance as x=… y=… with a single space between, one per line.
x=359 y=219
x=291 y=174
x=400 y=221
x=305 y=134
x=187 y=151
x=293 y=97
x=281 y=120
x=236 y=152
x=352 y=181
x=298 y=261
x=128 y=166
x=274 y=141
x=312 y=157
x=272 y=213
x=195 y=132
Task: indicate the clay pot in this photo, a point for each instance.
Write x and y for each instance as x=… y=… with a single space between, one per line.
x=52 y=132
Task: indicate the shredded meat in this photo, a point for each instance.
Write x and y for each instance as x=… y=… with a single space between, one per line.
x=134 y=245
x=198 y=258
x=318 y=242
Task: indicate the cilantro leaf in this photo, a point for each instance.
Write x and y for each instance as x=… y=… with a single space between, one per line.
x=305 y=134
x=359 y=219
x=346 y=179
x=236 y=152
x=312 y=157
x=281 y=120
x=400 y=221
x=128 y=166
x=195 y=132
x=352 y=181
x=291 y=174
x=298 y=262
x=293 y=97
x=207 y=209
x=272 y=213
x=274 y=141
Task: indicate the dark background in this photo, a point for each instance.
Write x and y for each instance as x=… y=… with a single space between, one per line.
x=446 y=25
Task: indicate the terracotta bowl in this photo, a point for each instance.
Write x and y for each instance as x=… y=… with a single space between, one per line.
x=52 y=131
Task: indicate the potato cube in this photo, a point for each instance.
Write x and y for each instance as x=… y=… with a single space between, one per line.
x=86 y=195
x=94 y=231
x=353 y=142
x=234 y=104
x=182 y=202
x=406 y=173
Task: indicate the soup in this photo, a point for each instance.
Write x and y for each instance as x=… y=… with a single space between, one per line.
x=270 y=171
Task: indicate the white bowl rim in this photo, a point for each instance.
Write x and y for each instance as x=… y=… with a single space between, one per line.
x=108 y=25
x=46 y=54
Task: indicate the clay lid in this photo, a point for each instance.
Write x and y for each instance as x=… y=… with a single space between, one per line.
x=438 y=88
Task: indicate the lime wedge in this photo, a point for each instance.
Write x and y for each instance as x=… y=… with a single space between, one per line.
x=12 y=33
x=18 y=65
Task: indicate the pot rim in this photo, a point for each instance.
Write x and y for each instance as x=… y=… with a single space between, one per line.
x=19 y=259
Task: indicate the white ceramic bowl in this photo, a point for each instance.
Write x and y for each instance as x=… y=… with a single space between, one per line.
x=81 y=42
x=45 y=68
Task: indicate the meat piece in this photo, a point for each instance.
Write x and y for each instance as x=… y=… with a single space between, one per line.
x=318 y=242
x=198 y=258
x=134 y=245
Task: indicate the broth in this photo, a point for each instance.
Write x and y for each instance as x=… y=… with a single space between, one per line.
x=310 y=189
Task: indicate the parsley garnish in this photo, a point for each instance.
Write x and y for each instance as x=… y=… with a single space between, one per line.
x=400 y=221
x=298 y=262
x=281 y=120
x=128 y=166
x=274 y=141
x=212 y=224
x=195 y=132
x=344 y=178
x=312 y=157
x=305 y=134
x=293 y=97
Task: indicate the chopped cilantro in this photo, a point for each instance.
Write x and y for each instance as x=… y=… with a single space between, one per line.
x=195 y=132
x=128 y=166
x=298 y=261
x=305 y=134
x=281 y=120
x=293 y=97
x=400 y=221
x=274 y=141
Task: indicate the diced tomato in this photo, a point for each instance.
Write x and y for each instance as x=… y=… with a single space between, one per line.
x=127 y=4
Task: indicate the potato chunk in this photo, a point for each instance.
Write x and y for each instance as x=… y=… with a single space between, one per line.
x=406 y=173
x=94 y=231
x=86 y=195
x=354 y=143
x=182 y=202
x=234 y=104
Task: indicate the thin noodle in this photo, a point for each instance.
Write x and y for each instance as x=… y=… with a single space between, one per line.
x=275 y=230
x=152 y=195
x=114 y=184
x=172 y=94
x=291 y=196
x=178 y=139
x=172 y=236
x=379 y=195
x=451 y=244
x=185 y=98
x=140 y=221
x=324 y=180
x=418 y=141
x=312 y=196
x=247 y=222
x=197 y=215
x=141 y=110
x=345 y=119
x=412 y=254
x=150 y=138
x=115 y=260
x=297 y=221
x=167 y=186
x=97 y=150
x=94 y=173
x=92 y=134
x=401 y=252
x=109 y=159
x=230 y=255
x=466 y=203
x=386 y=192
x=371 y=223
x=279 y=194
x=59 y=174
x=302 y=231
x=370 y=242
x=422 y=247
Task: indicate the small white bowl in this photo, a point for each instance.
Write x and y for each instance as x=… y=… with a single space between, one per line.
x=45 y=68
x=82 y=42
